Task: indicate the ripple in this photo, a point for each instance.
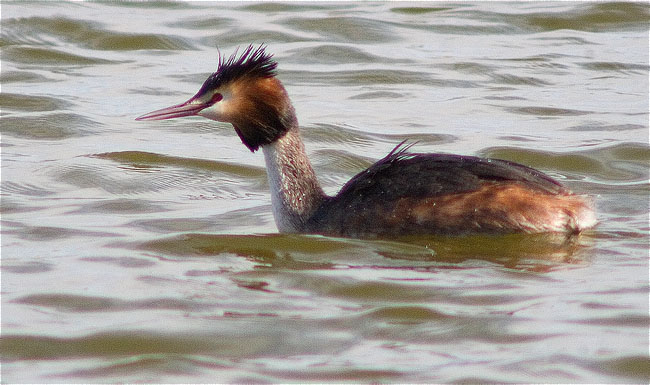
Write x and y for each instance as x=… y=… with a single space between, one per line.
x=130 y=42
x=341 y=162
x=339 y=135
x=333 y=54
x=85 y=34
x=377 y=95
x=519 y=80
x=546 y=111
x=606 y=127
x=9 y=206
x=616 y=67
x=636 y=367
x=621 y=320
x=171 y=366
x=344 y=29
x=407 y=315
x=226 y=341
x=628 y=162
x=84 y=176
x=22 y=77
x=26 y=267
x=116 y=344
x=120 y=206
x=31 y=103
x=52 y=126
x=140 y=159
x=352 y=160
x=468 y=67
x=580 y=163
x=36 y=56
x=173 y=225
x=418 y=10
x=83 y=304
x=49 y=233
x=128 y=262
x=375 y=77
x=24 y=189
x=602 y=17
x=202 y=23
x=236 y=36
x=542 y=61
x=181 y=176
x=272 y=7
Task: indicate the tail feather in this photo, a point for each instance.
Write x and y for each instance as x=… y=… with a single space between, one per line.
x=582 y=213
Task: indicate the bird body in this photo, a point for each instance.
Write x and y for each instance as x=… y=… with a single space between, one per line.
x=402 y=194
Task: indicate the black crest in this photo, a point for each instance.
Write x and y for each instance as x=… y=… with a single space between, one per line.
x=253 y=62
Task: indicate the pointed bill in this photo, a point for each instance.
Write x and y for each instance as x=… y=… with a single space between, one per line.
x=189 y=108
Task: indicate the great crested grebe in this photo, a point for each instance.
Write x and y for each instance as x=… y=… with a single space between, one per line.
x=402 y=194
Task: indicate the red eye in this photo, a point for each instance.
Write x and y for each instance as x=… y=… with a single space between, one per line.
x=216 y=98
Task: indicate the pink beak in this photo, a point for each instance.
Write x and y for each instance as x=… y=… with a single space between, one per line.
x=189 y=108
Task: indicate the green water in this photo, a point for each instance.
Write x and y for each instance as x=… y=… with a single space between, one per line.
x=147 y=252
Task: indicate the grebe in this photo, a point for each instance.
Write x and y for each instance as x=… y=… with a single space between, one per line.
x=402 y=194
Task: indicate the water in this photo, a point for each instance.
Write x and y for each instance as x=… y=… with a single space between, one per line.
x=146 y=251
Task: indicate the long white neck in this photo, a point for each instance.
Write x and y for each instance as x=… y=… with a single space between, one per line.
x=295 y=192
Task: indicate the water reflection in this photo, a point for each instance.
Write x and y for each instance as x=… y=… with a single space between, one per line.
x=539 y=252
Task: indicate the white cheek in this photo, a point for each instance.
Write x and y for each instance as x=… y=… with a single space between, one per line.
x=213 y=112
x=218 y=111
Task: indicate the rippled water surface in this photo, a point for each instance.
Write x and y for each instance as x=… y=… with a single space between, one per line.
x=147 y=252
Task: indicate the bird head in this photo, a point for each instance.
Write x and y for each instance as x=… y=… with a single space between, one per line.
x=245 y=92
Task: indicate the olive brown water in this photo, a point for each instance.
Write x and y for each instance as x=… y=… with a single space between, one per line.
x=147 y=251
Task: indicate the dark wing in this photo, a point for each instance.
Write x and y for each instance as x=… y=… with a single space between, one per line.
x=403 y=176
